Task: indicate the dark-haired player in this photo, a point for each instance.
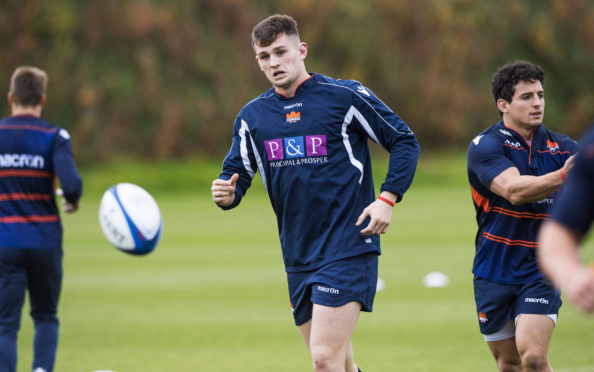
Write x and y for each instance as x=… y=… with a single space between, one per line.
x=307 y=136
x=32 y=153
x=515 y=168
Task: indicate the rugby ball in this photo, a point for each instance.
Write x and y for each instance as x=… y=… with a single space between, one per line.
x=130 y=219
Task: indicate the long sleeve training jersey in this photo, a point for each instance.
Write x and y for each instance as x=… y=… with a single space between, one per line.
x=312 y=153
x=33 y=153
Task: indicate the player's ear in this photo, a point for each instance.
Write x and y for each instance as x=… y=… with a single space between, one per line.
x=43 y=98
x=9 y=98
x=303 y=50
x=502 y=105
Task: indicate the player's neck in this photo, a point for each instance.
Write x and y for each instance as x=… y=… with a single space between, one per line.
x=291 y=90
x=524 y=130
x=18 y=110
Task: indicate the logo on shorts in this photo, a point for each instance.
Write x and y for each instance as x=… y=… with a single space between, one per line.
x=483 y=317
x=328 y=290
x=543 y=301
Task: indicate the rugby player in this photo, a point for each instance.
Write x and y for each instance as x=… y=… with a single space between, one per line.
x=32 y=153
x=515 y=169
x=308 y=138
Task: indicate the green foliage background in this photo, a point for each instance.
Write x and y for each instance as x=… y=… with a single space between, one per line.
x=165 y=79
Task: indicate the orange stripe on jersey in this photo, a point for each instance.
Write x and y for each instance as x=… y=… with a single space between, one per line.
x=480 y=200
x=29 y=219
x=553 y=152
x=514 y=147
x=533 y=216
x=483 y=203
x=27 y=127
x=23 y=196
x=507 y=241
x=25 y=173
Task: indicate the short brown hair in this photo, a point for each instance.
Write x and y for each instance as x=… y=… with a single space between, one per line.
x=267 y=30
x=27 y=86
x=509 y=75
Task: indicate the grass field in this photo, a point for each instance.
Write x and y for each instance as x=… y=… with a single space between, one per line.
x=213 y=297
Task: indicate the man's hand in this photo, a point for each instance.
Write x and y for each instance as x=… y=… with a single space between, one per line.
x=69 y=207
x=579 y=289
x=380 y=214
x=568 y=166
x=223 y=192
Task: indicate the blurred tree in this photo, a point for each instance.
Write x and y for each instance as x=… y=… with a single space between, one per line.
x=166 y=79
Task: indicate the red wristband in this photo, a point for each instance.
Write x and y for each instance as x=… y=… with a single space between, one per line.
x=562 y=175
x=389 y=202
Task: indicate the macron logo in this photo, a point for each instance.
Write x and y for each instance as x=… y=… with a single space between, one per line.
x=505 y=132
x=543 y=301
x=477 y=139
x=328 y=290
x=21 y=161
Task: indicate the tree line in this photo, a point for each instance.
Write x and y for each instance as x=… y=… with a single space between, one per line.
x=165 y=79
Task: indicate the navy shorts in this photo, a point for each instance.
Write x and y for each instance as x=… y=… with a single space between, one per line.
x=334 y=284
x=497 y=304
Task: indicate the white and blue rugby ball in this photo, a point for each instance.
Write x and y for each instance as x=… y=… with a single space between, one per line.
x=130 y=219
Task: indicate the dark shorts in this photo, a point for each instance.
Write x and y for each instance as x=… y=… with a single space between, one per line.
x=496 y=304
x=334 y=284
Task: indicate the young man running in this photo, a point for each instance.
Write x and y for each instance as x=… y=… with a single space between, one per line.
x=307 y=136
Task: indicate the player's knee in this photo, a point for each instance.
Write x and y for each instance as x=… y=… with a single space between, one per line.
x=534 y=361
x=507 y=366
x=323 y=358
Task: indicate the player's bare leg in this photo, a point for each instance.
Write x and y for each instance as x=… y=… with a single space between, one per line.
x=533 y=335
x=328 y=337
x=349 y=363
x=506 y=355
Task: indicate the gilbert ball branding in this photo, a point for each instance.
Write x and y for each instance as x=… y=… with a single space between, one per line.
x=130 y=219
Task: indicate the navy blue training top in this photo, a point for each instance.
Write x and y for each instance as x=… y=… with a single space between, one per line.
x=506 y=237
x=312 y=153
x=32 y=153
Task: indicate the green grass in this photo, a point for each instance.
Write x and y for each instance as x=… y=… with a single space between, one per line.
x=212 y=296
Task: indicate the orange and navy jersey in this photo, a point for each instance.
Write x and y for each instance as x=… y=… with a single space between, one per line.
x=506 y=237
x=32 y=153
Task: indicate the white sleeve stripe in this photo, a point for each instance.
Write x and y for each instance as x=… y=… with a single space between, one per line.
x=243 y=133
x=364 y=100
x=243 y=148
x=345 y=139
x=365 y=124
x=260 y=165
